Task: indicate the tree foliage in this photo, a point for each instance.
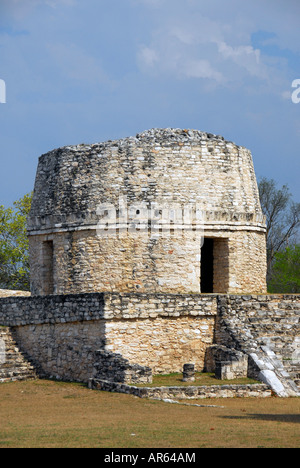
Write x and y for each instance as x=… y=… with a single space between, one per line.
x=286 y=271
x=14 y=260
x=282 y=218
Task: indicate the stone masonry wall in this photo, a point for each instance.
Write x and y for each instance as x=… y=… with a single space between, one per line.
x=163 y=332
x=185 y=393
x=267 y=329
x=12 y=293
x=157 y=170
x=135 y=263
x=85 y=261
x=61 y=334
x=158 y=166
x=250 y=321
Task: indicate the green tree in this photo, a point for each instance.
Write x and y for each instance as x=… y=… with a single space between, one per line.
x=282 y=218
x=14 y=260
x=286 y=271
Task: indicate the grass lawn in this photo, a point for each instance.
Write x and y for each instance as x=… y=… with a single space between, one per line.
x=52 y=414
x=201 y=378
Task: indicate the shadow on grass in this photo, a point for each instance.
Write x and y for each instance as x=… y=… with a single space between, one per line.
x=287 y=418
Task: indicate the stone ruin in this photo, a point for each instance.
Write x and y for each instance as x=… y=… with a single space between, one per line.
x=146 y=254
x=174 y=211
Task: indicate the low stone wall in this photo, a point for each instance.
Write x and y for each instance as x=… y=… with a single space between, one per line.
x=184 y=392
x=62 y=334
x=25 y=311
x=12 y=293
x=267 y=329
x=249 y=321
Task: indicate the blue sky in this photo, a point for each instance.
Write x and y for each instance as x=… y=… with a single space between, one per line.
x=88 y=71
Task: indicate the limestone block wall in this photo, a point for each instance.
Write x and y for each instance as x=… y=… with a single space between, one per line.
x=250 y=321
x=155 y=174
x=63 y=351
x=186 y=393
x=12 y=293
x=159 y=166
x=84 y=261
x=136 y=263
x=61 y=335
x=162 y=344
x=162 y=331
x=58 y=334
x=239 y=261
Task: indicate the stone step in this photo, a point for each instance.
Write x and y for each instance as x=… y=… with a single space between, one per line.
x=274 y=373
x=16 y=364
x=18 y=377
x=16 y=371
x=13 y=364
x=293 y=369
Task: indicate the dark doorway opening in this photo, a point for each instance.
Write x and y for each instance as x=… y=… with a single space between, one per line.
x=207 y=266
x=47 y=272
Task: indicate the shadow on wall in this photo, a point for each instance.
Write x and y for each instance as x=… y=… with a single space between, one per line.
x=115 y=368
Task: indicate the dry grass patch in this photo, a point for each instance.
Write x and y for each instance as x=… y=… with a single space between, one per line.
x=55 y=414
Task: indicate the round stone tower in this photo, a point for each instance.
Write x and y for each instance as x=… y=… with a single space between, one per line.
x=169 y=210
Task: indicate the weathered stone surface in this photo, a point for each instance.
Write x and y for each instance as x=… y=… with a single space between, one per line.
x=156 y=172
x=13 y=364
x=62 y=334
x=113 y=367
x=12 y=293
x=160 y=331
x=227 y=363
x=188 y=374
x=267 y=328
x=186 y=393
x=124 y=302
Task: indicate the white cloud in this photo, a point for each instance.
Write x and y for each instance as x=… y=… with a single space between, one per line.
x=214 y=46
x=202 y=69
x=237 y=52
x=244 y=56
x=147 y=56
